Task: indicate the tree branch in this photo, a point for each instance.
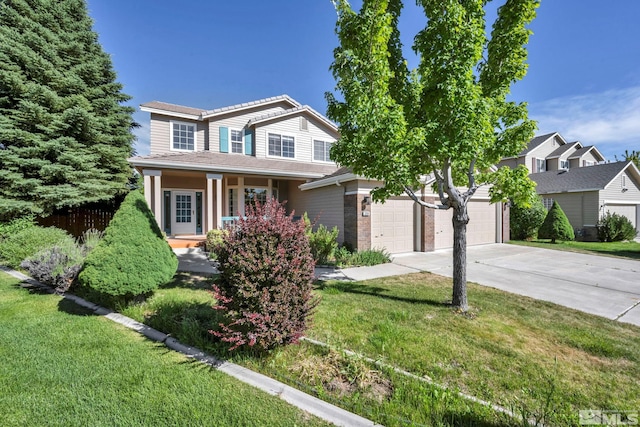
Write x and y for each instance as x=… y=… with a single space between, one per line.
x=416 y=199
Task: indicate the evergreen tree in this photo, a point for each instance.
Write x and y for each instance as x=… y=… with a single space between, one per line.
x=556 y=225
x=64 y=134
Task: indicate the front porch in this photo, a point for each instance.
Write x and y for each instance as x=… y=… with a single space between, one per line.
x=186 y=242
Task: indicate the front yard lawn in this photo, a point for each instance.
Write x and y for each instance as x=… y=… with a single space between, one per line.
x=61 y=366
x=617 y=249
x=532 y=357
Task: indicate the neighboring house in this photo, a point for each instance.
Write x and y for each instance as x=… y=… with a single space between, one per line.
x=205 y=166
x=578 y=178
x=585 y=194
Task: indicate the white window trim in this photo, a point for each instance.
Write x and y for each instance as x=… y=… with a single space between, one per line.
x=231 y=130
x=544 y=165
x=195 y=136
x=567 y=162
x=290 y=135
x=313 y=150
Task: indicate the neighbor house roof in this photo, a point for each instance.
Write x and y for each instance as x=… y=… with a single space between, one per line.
x=584 y=150
x=225 y=163
x=591 y=178
x=538 y=141
x=558 y=152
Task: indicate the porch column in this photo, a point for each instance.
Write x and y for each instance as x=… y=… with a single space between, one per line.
x=269 y=188
x=241 y=195
x=218 y=211
x=155 y=201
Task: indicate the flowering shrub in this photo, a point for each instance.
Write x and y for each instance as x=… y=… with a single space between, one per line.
x=265 y=285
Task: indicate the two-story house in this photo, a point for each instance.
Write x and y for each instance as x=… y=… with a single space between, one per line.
x=580 y=180
x=205 y=166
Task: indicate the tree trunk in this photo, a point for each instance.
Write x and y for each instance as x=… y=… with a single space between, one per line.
x=460 y=221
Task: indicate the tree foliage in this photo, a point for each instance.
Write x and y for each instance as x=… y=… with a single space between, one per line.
x=556 y=225
x=64 y=134
x=449 y=118
x=630 y=156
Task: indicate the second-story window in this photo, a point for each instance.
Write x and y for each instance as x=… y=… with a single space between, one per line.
x=183 y=136
x=541 y=165
x=564 y=164
x=236 y=141
x=281 y=146
x=321 y=150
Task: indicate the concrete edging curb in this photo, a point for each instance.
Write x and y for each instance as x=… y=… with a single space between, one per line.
x=295 y=397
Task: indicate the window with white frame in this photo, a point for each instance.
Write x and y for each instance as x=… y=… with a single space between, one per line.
x=237 y=145
x=564 y=164
x=282 y=146
x=541 y=165
x=547 y=202
x=322 y=150
x=183 y=136
x=589 y=163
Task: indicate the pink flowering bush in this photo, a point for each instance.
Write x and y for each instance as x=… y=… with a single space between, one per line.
x=265 y=285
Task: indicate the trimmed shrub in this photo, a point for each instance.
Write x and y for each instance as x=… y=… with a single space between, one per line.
x=615 y=228
x=525 y=222
x=133 y=258
x=346 y=258
x=214 y=242
x=323 y=242
x=25 y=243
x=265 y=286
x=556 y=225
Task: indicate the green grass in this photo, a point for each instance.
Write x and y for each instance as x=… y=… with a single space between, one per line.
x=61 y=366
x=530 y=356
x=616 y=249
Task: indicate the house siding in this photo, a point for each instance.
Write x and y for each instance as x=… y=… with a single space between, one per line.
x=613 y=191
x=541 y=152
x=326 y=204
x=160 y=133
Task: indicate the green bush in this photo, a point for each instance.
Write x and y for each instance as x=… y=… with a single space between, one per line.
x=133 y=258
x=265 y=285
x=556 y=225
x=15 y=225
x=25 y=243
x=323 y=242
x=214 y=242
x=368 y=257
x=615 y=228
x=524 y=222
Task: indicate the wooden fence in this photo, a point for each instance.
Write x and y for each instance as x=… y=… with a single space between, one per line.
x=77 y=220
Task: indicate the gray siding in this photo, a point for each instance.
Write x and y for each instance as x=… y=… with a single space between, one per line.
x=326 y=204
x=614 y=192
x=581 y=208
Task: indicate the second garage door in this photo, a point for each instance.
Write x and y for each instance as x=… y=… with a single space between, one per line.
x=480 y=230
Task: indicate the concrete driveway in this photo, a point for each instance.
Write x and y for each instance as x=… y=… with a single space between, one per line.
x=606 y=286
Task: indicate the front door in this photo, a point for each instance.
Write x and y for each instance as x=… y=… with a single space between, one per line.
x=184 y=213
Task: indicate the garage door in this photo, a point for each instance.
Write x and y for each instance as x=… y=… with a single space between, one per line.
x=626 y=210
x=392 y=225
x=480 y=230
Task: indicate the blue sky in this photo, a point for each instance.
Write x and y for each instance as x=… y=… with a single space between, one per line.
x=583 y=79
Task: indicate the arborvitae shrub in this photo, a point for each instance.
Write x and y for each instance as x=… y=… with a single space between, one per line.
x=525 y=221
x=133 y=258
x=265 y=286
x=556 y=225
x=615 y=228
x=27 y=242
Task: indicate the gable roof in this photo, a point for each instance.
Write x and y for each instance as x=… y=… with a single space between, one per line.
x=558 y=152
x=173 y=109
x=251 y=104
x=538 y=141
x=302 y=109
x=591 y=178
x=211 y=161
x=584 y=150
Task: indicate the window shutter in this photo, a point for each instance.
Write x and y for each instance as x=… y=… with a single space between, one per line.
x=224 y=139
x=248 y=142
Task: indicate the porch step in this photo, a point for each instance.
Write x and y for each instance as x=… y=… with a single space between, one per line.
x=182 y=243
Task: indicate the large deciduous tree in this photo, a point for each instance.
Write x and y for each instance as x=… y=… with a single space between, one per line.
x=449 y=118
x=65 y=134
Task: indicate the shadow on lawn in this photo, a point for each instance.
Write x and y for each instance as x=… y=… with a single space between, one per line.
x=190 y=281
x=376 y=291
